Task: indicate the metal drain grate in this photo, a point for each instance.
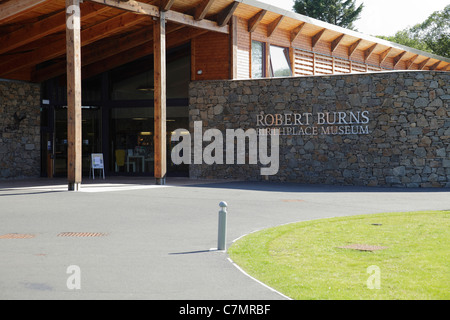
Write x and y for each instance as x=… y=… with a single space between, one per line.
x=363 y=247
x=81 y=234
x=17 y=236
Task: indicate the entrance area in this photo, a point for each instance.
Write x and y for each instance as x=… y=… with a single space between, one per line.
x=117 y=117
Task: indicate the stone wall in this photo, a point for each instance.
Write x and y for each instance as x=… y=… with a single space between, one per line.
x=19 y=130
x=379 y=129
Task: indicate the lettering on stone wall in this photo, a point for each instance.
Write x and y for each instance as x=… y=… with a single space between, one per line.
x=313 y=124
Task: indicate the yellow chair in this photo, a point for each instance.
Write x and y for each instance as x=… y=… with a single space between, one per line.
x=120 y=159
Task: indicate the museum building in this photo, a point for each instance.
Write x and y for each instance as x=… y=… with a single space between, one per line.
x=120 y=78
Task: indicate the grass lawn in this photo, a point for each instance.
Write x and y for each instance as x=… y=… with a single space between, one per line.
x=303 y=260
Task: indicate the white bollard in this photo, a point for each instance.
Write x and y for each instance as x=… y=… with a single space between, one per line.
x=222 y=237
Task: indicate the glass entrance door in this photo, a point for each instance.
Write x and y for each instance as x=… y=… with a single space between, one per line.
x=91 y=138
x=131 y=132
x=131 y=136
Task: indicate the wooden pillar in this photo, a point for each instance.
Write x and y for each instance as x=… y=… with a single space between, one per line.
x=159 y=54
x=233 y=47
x=73 y=52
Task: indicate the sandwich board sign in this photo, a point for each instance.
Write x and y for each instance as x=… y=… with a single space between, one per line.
x=97 y=163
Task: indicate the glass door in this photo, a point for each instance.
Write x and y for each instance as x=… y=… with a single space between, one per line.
x=131 y=131
x=91 y=138
x=131 y=136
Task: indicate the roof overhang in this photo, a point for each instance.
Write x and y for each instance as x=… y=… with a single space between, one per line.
x=32 y=32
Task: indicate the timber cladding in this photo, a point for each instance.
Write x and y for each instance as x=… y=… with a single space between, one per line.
x=373 y=129
x=309 y=56
x=210 y=56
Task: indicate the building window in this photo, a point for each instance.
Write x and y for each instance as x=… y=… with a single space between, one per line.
x=258 y=55
x=279 y=62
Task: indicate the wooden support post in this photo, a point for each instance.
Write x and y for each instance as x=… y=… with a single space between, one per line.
x=73 y=52
x=159 y=50
x=233 y=47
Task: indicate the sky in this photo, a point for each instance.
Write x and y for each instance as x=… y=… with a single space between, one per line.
x=385 y=17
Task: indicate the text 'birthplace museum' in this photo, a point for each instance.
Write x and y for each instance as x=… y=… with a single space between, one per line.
x=118 y=78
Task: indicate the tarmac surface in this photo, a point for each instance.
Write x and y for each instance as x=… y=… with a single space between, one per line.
x=131 y=239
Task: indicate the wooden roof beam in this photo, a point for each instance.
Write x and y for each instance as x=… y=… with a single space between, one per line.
x=353 y=47
x=434 y=66
x=254 y=21
x=335 y=43
x=132 y=6
x=57 y=48
x=166 y=5
x=297 y=31
x=273 y=26
x=44 y=27
x=173 y=16
x=225 y=15
x=398 y=58
x=369 y=51
x=179 y=37
x=423 y=63
x=315 y=38
x=11 y=9
x=410 y=62
x=101 y=50
x=188 y=20
x=202 y=9
x=384 y=55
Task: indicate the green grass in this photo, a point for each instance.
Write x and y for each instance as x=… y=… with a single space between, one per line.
x=303 y=261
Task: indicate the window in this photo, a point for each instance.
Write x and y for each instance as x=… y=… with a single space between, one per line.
x=258 y=54
x=279 y=62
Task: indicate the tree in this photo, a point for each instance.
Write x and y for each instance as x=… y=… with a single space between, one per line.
x=432 y=35
x=407 y=38
x=435 y=32
x=338 y=12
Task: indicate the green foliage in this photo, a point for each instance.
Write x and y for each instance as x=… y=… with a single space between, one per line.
x=338 y=12
x=432 y=35
x=406 y=38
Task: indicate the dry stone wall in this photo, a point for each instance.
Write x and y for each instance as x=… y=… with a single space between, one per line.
x=19 y=130
x=378 y=129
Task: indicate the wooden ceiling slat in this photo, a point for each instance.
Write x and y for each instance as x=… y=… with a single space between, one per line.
x=10 y=9
x=52 y=24
x=55 y=49
x=103 y=49
x=179 y=37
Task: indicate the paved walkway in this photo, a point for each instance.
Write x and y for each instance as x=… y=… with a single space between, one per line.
x=153 y=242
